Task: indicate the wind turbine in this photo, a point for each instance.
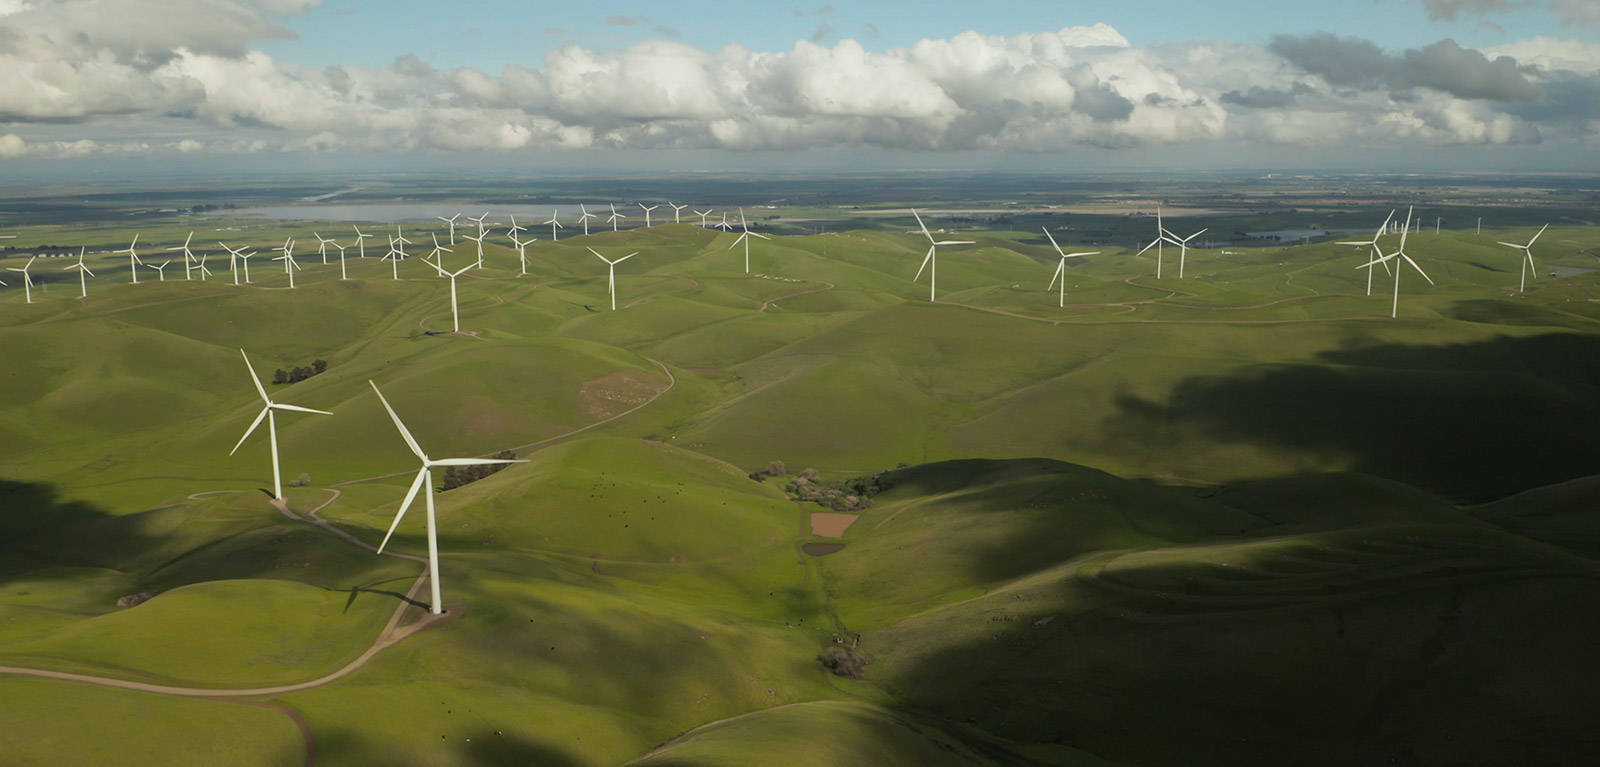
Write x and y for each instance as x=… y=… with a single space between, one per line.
x=187 y=256
x=676 y=209
x=1527 y=263
x=133 y=258
x=201 y=267
x=425 y=476
x=1395 y=311
x=479 y=240
x=437 y=249
x=745 y=238
x=512 y=232
x=522 y=252
x=724 y=226
x=452 y=222
x=400 y=241
x=83 y=272
x=322 y=247
x=287 y=258
x=393 y=257
x=1183 y=247
x=1158 y=243
x=27 y=280
x=702 y=214
x=1376 y=251
x=1061 y=270
x=233 y=260
x=647 y=213
x=342 y=274
x=586 y=215
x=272 y=425
x=616 y=218
x=361 y=240
x=455 y=317
x=553 y=225
x=932 y=257
x=244 y=260
x=161 y=271
x=611 y=279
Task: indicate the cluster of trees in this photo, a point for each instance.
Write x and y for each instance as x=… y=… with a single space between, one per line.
x=847 y=662
x=458 y=476
x=281 y=376
x=854 y=494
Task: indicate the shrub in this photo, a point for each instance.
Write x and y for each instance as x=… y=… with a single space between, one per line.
x=847 y=662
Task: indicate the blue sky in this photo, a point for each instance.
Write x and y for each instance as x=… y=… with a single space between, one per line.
x=1439 y=83
x=488 y=34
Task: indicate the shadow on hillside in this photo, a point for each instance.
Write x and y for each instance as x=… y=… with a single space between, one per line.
x=1471 y=422
x=39 y=529
x=474 y=745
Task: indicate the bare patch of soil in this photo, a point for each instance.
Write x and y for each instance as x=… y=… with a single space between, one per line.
x=618 y=392
x=831 y=525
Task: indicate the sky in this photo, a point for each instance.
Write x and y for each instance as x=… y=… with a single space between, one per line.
x=1024 y=84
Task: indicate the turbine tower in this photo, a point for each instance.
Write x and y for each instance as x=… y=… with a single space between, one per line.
x=616 y=218
x=425 y=476
x=83 y=273
x=361 y=240
x=554 y=224
x=647 y=213
x=522 y=252
x=187 y=256
x=702 y=214
x=1527 y=263
x=452 y=222
x=932 y=259
x=272 y=425
x=584 y=216
x=745 y=238
x=611 y=278
x=133 y=258
x=676 y=209
x=1183 y=247
x=343 y=275
x=289 y=264
x=161 y=271
x=1061 y=269
x=455 y=315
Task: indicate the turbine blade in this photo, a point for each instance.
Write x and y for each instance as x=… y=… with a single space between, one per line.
x=925 y=260
x=1052 y=238
x=1536 y=237
x=924 y=226
x=249 y=431
x=411 y=495
x=471 y=461
x=259 y=388
x=1061 y=267
x=410 y=441
x=1418 y=268
x=299 y=409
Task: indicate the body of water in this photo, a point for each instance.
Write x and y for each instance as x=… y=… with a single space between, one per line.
x=392 y=213
x=1565 y=271
x=1296 y=235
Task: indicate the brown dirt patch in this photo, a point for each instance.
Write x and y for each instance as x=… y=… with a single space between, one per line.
x=831 y=525
x=618 y=392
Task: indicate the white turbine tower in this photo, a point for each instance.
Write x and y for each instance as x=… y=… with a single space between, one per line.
x=702 y=214
x=133 y=258
x=647 y=213
x=187 y=256
x=1183 y=247
x=27 y=280
x=361 y=240
x=553 y=225
x=272 y=425
x=244 y=261
x=455 y=315
x=452 y=222
x=289 y=264
x=1527 y=263
x=522 y=252
x=425 y=476
x=343 y=275
x=745 y=238
x=83 y=273
x=1401 y=253
x=611 y=278
x=584 y=216
x=616 y=218
x=676 y=209
x=932 y=259
x=1061 y=270
x=1377 y=252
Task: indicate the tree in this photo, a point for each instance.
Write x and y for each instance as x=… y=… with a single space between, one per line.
x=319 y=366
x=280 y=376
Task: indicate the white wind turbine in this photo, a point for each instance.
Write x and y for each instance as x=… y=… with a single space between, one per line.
x=1527 y=263
x=187 y=256
x=1061 y=270
x=244 y=261
x=437 y=250
x=133 y=258
x=272 y=425
x=393 y=257
x=724 y=226
x=676 y=209
x=83 y=272
x=584 y=216
x=702 y=214
x=553 y=225
x=425 y=476
x=611 y=279
x=1183 y=247
x=512 y=233
x=201 y=267
x=616 y=218
x=1158 y=243
x=289 y=264
x=452 y=222
x=455 y=315
x=745 y=238
x=932 y=259
x=1377 y=252
x=479 y=241
x=27 y=280
x=522 y=252
x=161 y=271
x=342 y=274
x=322 y=247
x=361 y=240
x=647 y=213
x=1401 y=253
x=233 y=260
x=400 y=241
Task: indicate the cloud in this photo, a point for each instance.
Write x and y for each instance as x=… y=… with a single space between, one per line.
x=1583 y=13
x=1443 y=66
x=622 y=21
x=1444 y=10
